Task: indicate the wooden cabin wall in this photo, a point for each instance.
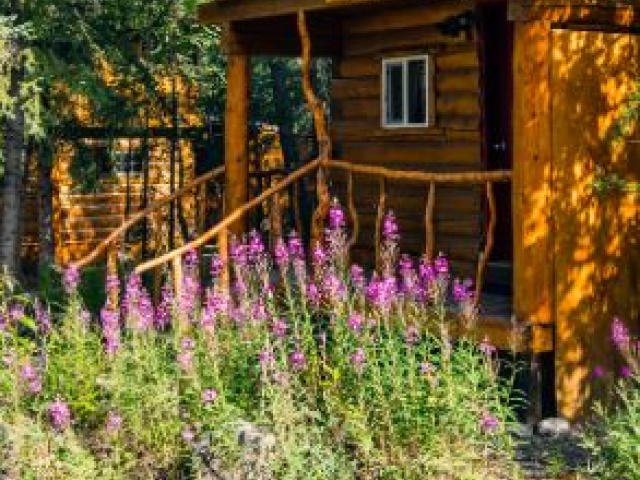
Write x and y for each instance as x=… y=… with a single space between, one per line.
x=453 y=144
x=83 y=219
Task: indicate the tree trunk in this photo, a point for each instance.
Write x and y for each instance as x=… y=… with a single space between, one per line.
x=45 y=208
x=14 y=145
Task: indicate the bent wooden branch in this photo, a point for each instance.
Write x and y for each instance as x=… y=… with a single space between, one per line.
x=231 y=218
x=484 y=256
x=122 y=229
x=315 y=105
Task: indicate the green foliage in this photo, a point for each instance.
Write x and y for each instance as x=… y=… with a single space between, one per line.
x=270 y=381
x=614 y=442
x=15 y=57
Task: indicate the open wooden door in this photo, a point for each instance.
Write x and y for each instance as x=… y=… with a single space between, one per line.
x=595 y=236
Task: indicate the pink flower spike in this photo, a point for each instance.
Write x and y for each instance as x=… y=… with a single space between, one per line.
x=486 y=348
x=599 y=371
x=209 y=396
x=488 y=422
x=60 y=415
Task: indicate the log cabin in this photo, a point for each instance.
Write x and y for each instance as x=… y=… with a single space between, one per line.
x=531 y=88
x=485 y=126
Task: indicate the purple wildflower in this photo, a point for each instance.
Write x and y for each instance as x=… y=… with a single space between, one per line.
x=313 y=294
x=296 y=249
x=427 y=368
x=114 y=423
x=31 y=378
x=382 y=292
x=217 y=265
x=319 y=255
x=298 y=360
x=358 y=358
x=255 y=246
x=411 y=335
x=191 y=259
x=441 y=265
x=187 y=343
x=188 y=434
x=16 y=312
x=110 y=329
x=71 y=279
x=266 y=358
x=112 y=285
x=487 y=348
x=356 y=322
x=279 y=328
x=59 y=415
x=43 y=318
x=185 y=360
x=390 y=230
x=163 y=311
x=488 y=422
x=333 y=287
x=599 y=371
x=357 y=277
x=209 y=396
x=620 y=334
x=238 y=253
x=626 y=372
x=281 y=254
x=337 y=219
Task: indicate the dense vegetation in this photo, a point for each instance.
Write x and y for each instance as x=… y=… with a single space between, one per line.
x=298 y=372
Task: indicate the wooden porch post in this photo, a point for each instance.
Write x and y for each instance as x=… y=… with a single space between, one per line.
x=236 y=140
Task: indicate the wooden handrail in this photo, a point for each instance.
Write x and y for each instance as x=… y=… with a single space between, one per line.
x=122 y=229
x=418 y=176
x=231 y=218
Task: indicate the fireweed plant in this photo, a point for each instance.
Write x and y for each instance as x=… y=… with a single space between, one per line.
x=303 y=368
x=614 y=439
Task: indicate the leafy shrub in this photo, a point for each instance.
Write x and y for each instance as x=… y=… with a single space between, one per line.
x=299 y=370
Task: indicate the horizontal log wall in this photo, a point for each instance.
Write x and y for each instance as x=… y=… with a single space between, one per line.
x=83 y=219
x=453 y=144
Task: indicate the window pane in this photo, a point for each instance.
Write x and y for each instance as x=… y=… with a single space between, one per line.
x=417 y=91
x=395 y=103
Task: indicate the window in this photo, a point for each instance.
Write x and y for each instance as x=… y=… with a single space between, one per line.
x=407 y=99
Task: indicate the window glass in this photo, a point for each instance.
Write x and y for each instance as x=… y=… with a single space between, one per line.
x=394 y=93
x=416 y=92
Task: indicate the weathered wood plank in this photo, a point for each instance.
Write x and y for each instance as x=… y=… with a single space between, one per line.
x=423 y=152
x=418 y=37
x=401 y=18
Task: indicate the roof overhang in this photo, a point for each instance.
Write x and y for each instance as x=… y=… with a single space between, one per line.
x=224 y=11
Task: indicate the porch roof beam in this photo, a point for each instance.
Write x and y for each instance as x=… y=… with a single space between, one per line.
x=219 y=12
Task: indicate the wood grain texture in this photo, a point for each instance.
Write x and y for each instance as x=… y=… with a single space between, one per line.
x=596 y=249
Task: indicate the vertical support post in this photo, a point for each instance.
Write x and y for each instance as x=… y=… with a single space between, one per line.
x=223 y=251
x=428 y=220
x=275 y=218
x=486 y=253
x=353 y=212
x=112 y=271
x=236 y=128
x=176 y=264
x=382 y=205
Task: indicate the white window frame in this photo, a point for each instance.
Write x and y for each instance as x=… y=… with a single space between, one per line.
x=429 y=97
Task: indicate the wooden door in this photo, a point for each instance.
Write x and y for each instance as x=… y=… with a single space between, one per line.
x=595 y=247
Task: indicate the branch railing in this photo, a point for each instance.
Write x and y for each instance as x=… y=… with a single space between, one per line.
x=219 y=233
